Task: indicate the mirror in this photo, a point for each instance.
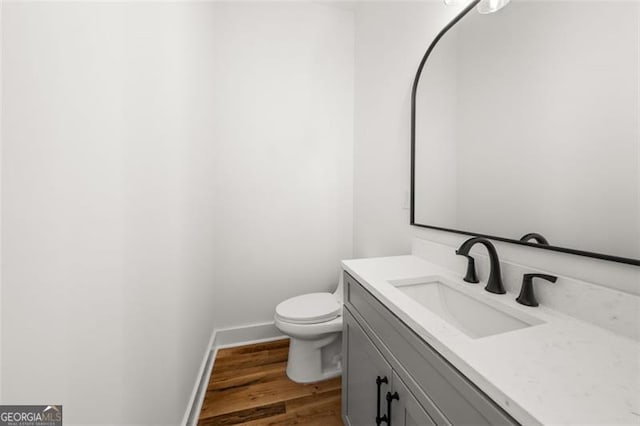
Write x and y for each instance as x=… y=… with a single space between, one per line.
x=527 y=121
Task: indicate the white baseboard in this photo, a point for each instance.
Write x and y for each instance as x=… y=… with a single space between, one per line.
x=228 y=337
x=198 y=388
x=224 y=338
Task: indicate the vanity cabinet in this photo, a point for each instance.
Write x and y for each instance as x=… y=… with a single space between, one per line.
x=429 y=389
x=371 y=380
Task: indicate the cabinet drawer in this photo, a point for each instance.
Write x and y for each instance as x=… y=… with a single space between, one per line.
x=459 y=400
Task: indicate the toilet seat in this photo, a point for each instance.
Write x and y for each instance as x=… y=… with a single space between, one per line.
x=311 y=308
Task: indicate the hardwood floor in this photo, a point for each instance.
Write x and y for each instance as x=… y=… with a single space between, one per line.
x=249 y=386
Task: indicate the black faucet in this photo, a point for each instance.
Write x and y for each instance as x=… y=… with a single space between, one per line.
x=538 y=238
x=494 y=283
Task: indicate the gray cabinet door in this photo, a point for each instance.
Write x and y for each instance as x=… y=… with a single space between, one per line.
x=406 y=411
x=363 y=365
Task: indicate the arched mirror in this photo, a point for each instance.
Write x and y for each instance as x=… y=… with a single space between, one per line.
x=526 y=122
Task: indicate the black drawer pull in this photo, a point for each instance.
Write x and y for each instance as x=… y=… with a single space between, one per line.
x=379 y=382
x=390 y=397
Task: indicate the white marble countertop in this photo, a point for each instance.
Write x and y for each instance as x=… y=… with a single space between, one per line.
x=564 y=371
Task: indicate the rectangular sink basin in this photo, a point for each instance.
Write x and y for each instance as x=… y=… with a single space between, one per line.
x=473 y=316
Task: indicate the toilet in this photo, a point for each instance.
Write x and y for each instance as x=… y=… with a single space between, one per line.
x=314 y=324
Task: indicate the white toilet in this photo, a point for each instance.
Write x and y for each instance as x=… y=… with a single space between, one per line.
x=314 y=324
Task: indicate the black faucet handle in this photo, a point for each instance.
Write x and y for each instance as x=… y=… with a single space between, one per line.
x=527 y=296
x=470 y=276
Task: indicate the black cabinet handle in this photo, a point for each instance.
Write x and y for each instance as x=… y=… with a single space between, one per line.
x=379 y=382
x=390 y=397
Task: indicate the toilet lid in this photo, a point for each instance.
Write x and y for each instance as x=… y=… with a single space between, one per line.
x=309 y=308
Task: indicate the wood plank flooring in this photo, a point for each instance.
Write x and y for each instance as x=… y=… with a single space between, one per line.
x=249 y=386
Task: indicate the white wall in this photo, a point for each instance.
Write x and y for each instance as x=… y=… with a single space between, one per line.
x=285 y=126
x=1 y=323
x=167 y=168
x=391 y=38
x=400 y=32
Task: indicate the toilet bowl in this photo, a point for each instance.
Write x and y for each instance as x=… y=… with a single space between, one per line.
x=314 y=324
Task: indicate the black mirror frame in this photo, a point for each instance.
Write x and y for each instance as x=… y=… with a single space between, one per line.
x=414 y=90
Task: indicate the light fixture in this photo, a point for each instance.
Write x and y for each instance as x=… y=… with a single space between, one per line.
x=490 y=6
x=485 y=6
